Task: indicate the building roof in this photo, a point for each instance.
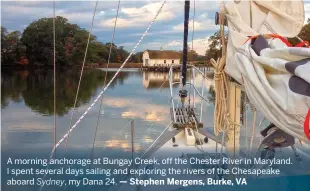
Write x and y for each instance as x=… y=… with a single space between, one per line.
x=164 y=54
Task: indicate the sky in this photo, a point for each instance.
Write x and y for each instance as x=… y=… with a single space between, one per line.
x=134 y=17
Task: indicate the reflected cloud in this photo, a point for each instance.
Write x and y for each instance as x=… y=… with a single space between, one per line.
x=31 y=127
x=131 y=114
x=139 y=108
x=121 y=144
x=148 y=139
x=116 y=102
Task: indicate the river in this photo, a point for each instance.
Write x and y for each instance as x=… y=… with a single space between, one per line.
x=27 y=108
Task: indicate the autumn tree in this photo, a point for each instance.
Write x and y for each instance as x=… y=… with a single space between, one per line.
x=12 y=50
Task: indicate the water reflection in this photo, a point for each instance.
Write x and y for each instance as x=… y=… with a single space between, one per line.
x=27 y=107
x=35 y=88
x=158 y=79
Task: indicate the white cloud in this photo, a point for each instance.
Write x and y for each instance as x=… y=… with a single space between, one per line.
x=140 y=16
x=201 y=45
x=176 y=43
x=76 y=16
x=30 y=11
x=207 y=24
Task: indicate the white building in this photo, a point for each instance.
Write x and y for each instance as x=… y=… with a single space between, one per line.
x=161 y=58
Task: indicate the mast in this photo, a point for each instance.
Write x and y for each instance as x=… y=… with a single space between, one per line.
x=183 y=92
x=186 y=16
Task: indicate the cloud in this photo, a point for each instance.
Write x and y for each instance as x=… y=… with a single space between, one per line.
x=31 y=127
x=116 y=102
x=139 y=16
x=200 y=45
x=29 y=11
x=77 y=16
x=133 y=108
x=207 y=24
x=134 y=17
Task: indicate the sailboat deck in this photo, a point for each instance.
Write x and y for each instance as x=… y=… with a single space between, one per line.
x=184 y=115
x=180 y=147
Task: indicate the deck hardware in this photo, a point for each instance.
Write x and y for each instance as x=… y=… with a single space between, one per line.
x=206 y=139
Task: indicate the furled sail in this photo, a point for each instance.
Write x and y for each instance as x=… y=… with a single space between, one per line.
x=275 y=75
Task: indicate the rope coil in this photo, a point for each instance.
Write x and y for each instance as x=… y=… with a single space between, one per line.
x=222 y=120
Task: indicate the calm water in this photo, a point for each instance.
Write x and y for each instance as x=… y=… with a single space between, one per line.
x=27 y=112
x=27 y=108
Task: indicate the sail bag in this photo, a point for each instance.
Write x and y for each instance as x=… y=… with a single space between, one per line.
x=275 y=75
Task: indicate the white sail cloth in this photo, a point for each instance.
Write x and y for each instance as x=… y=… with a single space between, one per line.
x=277 y=78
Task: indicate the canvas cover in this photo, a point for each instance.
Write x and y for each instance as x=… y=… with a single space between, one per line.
x=276 y=77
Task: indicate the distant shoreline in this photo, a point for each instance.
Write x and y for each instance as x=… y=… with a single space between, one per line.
x=103 y=66
x=111 y=65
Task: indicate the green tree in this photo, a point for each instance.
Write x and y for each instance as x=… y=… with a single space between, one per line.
x=12 y=49
x=192 y=55
x=37 y=45
x=215 y=47
x=70 y=42
x=137 y=57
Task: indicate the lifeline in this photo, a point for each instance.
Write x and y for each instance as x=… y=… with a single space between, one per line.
x=271 y=162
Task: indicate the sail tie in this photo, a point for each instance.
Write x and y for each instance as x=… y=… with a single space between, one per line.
x=284 y=40
x=306 y=125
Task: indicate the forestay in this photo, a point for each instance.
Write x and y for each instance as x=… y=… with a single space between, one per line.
x=276 y=77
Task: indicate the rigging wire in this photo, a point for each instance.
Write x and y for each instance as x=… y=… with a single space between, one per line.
x=112 y=79
x=54 y=79
x=81 y=74
x=54 y=82
x=105 y=78
x=193 y=26
x=189 y=95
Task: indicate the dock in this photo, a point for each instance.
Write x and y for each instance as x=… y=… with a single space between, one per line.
x=160 y=68
x=165 y=68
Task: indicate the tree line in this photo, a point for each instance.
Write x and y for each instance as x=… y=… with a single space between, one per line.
x=35 y=45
